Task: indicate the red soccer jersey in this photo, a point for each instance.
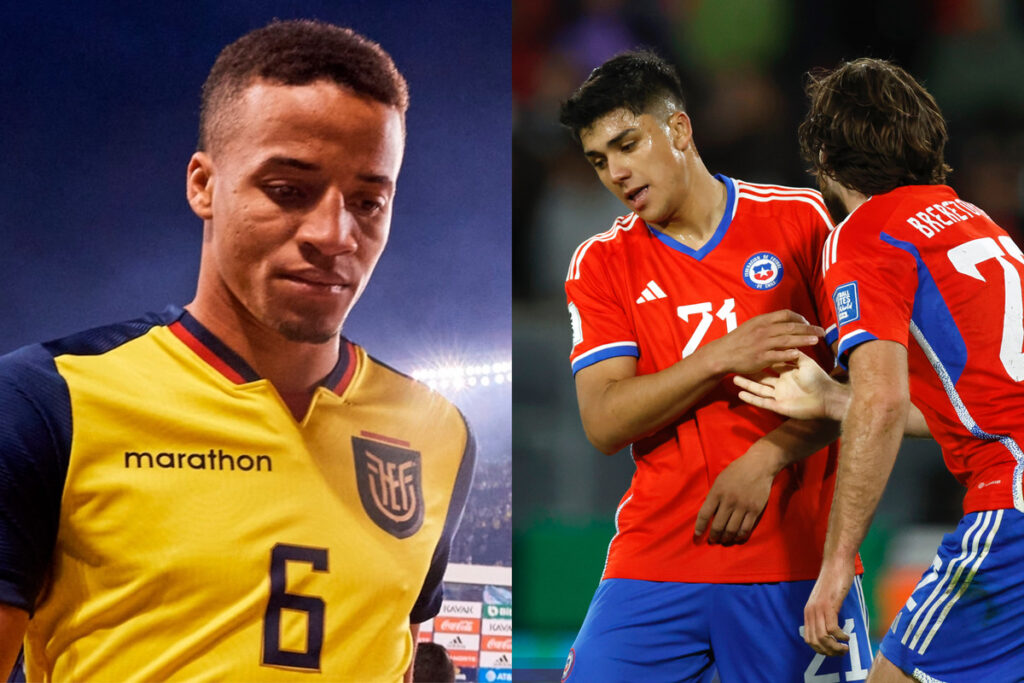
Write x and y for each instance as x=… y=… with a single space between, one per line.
x=634 y=291
x=921 y=263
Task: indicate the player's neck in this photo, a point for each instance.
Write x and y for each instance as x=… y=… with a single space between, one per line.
x=851 y=199
x=294 y=368
x=701 y=211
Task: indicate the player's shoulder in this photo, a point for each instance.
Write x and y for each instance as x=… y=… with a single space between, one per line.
x=106 y=338
x=598 y=249
x=869 y=227
x=30 y=365
x=782 y=200
x=414 y=404
x=903 y=213
x=25 y=371
x=395 y=387
x=921 y=206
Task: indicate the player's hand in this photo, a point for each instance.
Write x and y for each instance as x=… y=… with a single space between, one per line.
x=764 y=341
x=821 y=613
x=736 y=499
x=802 y=390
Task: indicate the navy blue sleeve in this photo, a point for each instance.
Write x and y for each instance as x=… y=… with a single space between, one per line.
x=35 y=444
x=428 y=604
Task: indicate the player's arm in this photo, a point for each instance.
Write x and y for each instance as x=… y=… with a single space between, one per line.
x=35 y=439
x=13 y=622
x=617 y=406
x=872 y=431
x=803 y=390
x=740 y=491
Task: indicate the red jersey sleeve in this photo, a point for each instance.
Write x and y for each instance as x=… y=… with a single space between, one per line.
x=819 y=230
x=871 y=279
x=601 y=326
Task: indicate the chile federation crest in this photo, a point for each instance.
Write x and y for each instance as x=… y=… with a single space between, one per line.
x=390 y=485
x=762 y=270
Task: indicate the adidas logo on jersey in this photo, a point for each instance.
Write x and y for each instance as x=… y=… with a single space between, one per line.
x=651 y=292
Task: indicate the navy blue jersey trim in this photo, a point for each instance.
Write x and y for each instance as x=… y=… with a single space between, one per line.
x=240 y=366
x=108 y=337
x=428 y=604
x=335 y=375
x=210 y=341
x=35 y=446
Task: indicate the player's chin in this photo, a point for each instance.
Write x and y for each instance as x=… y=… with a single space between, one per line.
x=653 y=215
x=310 y=325
x=308 y=332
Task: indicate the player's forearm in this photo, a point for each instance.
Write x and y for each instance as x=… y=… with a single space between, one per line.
x=916 y=426
x=836 y=399
x=872 y=432
x=630 y=408
x=795 y=440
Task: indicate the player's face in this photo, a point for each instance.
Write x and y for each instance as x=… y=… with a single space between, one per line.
x=640 y=159
x=301 y=183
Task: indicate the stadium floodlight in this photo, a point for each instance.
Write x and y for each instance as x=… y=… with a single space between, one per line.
x=459 y=376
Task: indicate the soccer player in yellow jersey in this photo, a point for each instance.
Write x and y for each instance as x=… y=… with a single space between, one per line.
x=233 y=491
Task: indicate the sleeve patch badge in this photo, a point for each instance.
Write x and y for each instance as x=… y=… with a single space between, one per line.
x=577 y=324
x=846 y=303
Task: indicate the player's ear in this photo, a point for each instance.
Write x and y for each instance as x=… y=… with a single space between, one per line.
x=199 y=185
x=680 y=129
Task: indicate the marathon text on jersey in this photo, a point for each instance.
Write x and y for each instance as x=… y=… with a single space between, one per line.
x=214 y=460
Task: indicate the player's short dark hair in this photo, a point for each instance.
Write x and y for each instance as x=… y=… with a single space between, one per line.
x=633 y=80
x=299 y=52
x=433 y=664
x=873 y=128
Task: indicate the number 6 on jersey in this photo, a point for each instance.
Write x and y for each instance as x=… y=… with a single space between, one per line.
x=281 y=600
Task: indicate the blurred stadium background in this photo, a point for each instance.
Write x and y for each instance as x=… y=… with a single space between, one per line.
x=741 y=63
x=100 y=108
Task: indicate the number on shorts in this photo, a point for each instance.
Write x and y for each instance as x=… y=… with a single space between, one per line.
x=930 y=577
x=856 y=673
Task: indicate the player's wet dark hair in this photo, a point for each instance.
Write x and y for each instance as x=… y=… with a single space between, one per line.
x=633 y=80
x=299 y=52
x=433 y=664
x=873 y=128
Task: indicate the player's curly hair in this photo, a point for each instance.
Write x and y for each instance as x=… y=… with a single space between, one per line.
x=299 y=52
x=873 y=128
x=633 y=80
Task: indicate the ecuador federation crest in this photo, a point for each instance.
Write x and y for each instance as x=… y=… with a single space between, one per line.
x=390 y=485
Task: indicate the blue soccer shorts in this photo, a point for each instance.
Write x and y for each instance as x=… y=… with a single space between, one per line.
x=656 y=632
x=965 y=620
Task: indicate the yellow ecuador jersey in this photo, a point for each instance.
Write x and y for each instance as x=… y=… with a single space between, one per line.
x=165 y=518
